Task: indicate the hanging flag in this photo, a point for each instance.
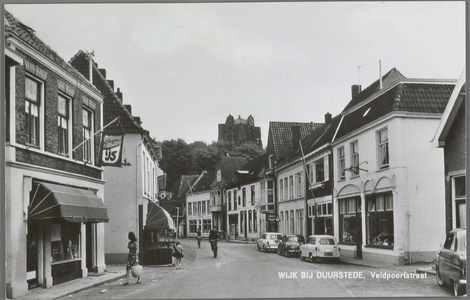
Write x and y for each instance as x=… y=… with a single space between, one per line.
x=111 y=150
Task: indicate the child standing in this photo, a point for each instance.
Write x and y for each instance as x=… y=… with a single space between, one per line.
x=178 y=254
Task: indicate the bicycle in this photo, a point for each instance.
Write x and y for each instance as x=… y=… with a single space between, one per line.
x=214 y=247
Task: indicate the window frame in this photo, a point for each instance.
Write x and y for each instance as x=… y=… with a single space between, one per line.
x=37 y=103
x=354 y=149
x=341 y=163
x=64 y=119
x=380 y=145
x=88 y=147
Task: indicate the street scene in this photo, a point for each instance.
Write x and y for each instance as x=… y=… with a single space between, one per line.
x=235 y=150
x=256 y=274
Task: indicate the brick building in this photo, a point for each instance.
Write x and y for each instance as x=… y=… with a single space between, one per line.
x=51 y=167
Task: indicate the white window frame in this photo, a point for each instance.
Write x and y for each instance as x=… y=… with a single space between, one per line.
x=68 y=123
x=341 y=163
x=354 y=148
x=91 y=141
x=40 y=108
x=456 y=199
x=381 y=147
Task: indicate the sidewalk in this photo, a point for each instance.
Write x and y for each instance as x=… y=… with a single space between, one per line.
x=109 y=278
x=419 y=267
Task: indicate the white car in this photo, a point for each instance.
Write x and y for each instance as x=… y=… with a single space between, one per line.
x=269 y=241
x=322 y=247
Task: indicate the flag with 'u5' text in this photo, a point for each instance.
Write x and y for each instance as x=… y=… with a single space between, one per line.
x=111 y=150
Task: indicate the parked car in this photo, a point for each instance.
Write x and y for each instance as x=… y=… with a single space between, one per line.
x=290 y=244
x=323 y=247
x=269 y=241
x=452 y=260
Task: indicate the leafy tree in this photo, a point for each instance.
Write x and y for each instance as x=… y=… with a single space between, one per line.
x=180 y=158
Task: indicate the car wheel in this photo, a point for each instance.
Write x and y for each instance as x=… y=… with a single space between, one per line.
x=458 y=289
x=439 y=279
x=311 y=257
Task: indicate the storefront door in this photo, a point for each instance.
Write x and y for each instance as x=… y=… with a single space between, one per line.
x=32 y=256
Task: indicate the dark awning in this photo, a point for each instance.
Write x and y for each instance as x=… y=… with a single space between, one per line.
x=52 y=201
x=158 y=218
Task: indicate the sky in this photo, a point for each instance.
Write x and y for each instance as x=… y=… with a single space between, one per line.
x=184 y=67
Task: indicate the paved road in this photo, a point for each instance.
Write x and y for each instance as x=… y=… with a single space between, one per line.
x=240 y=271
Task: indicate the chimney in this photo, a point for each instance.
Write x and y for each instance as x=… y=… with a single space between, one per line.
x=103 y=72
x=137 y=119
x=129 y=108
x=327 y=119
x=295 y=137
x=119 y=94
x=355 y=89
x=111 y=83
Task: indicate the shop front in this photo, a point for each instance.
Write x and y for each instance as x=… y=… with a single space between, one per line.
x=61 y=233
x=159 y=236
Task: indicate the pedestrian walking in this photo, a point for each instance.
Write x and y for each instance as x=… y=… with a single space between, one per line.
x=132 y=259
x=178 y=254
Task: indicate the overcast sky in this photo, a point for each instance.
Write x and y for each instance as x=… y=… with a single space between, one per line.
x=185 y=67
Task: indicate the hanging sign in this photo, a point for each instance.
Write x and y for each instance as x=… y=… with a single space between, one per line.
x=111 y=150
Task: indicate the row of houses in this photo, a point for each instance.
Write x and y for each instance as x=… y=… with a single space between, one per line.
x=67 y=215
x=386 y=176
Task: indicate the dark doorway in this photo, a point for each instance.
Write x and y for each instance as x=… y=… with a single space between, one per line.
x=32 y=256
x=89 y=247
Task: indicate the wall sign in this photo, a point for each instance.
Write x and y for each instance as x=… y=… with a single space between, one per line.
x=34 y=69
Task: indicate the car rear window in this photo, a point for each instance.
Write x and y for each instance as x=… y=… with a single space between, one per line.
x=293 y=239
x=276 y=237
x=327 y=241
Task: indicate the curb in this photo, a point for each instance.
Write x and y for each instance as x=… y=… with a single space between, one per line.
x=429 y=272
x=90 y=286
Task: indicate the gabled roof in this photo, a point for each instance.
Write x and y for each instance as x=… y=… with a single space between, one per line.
x=113 y=106
x=229 y=165
x=181 y=187
x=255 y=170
x=204 y=183
x=319 y=137
x=407 y=96
x=388 y=79
x=281 y=135
x=15 y=28
x=452 y=109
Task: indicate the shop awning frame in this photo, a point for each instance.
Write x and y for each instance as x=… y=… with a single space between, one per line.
x=158 y=218
x=59 y=202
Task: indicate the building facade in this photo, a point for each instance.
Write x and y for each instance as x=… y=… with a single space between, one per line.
x=198 y=207
x=131 y=187
x=450 y=136
x=52 y=114
x=388 y=186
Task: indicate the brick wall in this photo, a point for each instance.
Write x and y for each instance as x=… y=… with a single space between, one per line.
x=454 y=158
x=50 y=129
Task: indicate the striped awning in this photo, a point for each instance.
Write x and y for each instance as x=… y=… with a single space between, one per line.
x=158 y=218
x=59 y=202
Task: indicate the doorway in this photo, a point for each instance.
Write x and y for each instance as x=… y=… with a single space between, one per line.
x=89 y=247
x=32 y=255
x=359 y=235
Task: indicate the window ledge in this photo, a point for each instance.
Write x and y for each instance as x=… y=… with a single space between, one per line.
x=379 y=247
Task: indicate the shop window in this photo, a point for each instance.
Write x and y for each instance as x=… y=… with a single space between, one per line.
x=192 y=226
x=348 y=220
x=65 y=241
x=32 y=106
x=379 y=220
x=255 y=221
x=206 y=226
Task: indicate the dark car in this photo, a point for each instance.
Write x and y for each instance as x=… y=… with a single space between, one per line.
x=452 y=260
x=290 y=244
